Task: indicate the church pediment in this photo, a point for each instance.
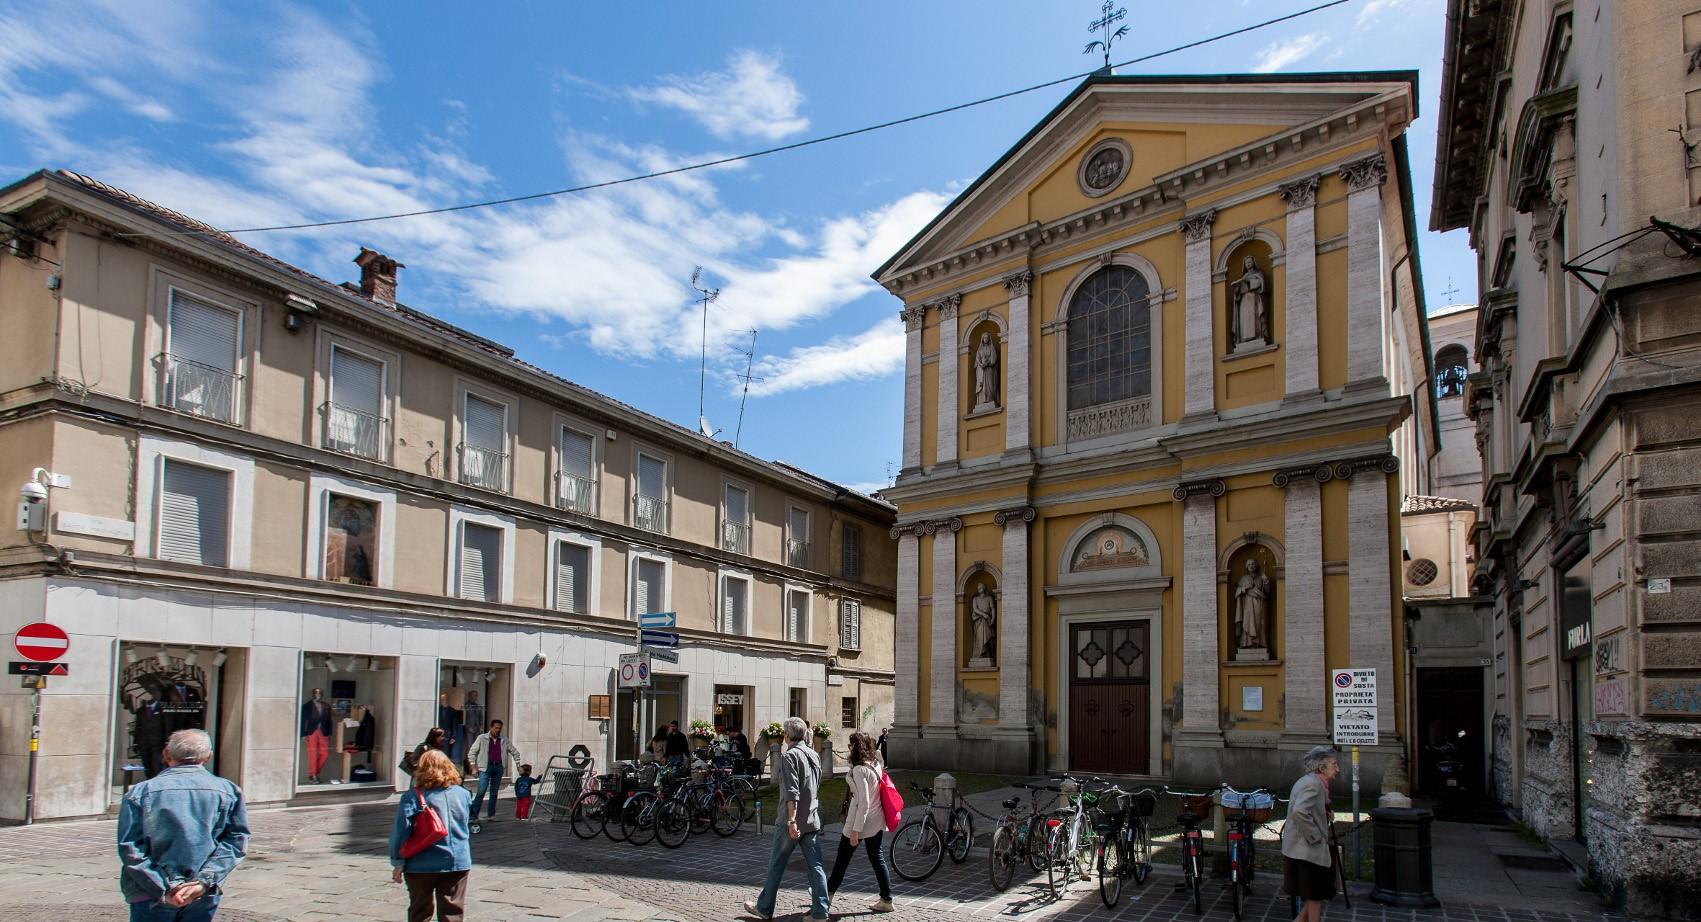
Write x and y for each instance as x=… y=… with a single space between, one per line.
x=1123 y=146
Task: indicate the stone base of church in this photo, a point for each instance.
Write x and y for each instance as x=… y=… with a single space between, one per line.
x=1203 y=759
x=967 y=748
x=1198 y=758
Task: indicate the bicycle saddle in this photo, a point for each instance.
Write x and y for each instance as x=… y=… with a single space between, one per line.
x=1011 y=803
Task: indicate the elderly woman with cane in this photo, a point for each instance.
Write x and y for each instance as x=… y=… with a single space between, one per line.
x=1308 y=853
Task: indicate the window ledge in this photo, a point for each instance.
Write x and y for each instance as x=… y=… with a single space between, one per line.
x=1248 y=353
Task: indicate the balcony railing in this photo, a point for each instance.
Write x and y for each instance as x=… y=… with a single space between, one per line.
x=650 y=513
x=735 y=537
x=201 y=390
x=484 y=467
x=352 y=432
x=575 y=494
x=797 y=553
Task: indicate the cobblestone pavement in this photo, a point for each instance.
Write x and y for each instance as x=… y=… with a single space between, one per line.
x=328 y=863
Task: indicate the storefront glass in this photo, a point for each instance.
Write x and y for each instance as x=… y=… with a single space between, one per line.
x=347 y=703
x=163 y=689
x=470 y=695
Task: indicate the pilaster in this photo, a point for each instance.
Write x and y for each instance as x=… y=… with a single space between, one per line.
x=1299 y=339
x=1369 y=593
x=1014 y=626
x=942 y=671
x=1199 y=660
x=913 y=318
x=1364 y=180
x=1017 y=430
x=907 y=662
x=945 y=446
x=1200 y=366
x=1303 y=691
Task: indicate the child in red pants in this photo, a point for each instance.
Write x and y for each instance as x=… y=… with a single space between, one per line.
x=523 y=793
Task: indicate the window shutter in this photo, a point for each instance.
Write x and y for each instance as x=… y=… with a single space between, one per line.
x=572 y=578
x=576 y=454
x=194 y=514
x=733 y=606
x=481 y=562
x=652 y=477
x=486 y=424
x=799 y=525
x=357 y=382
x=850 y=625
x=737 y=506
x=647 y=590
x=852 y=563
x=795 y=616
x=202 y=332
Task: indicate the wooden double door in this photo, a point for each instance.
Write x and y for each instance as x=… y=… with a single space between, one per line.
x=1110 y=697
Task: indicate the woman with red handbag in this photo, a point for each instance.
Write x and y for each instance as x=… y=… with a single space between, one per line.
x=430 y=843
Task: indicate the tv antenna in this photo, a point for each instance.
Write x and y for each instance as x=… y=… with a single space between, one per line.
x=749 y=365
x=705 y=295
x=1109 y=17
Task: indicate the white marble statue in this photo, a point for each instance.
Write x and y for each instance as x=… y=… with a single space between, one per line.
x=1252 y=609
x=1250 y=319
x=986 y=373
x=983 y=610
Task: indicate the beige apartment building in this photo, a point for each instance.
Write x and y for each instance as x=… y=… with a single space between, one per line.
x=318 y=522
x=1567 y=148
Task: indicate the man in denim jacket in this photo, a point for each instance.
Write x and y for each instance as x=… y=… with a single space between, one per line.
x=180 y=834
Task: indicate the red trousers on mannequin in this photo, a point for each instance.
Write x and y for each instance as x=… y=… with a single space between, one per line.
x=318 y=750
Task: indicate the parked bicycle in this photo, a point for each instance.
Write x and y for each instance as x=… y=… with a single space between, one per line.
x=1071 y=842
x=597 y=809
x=716 y=804
x=1017 y=838
x=661 y=813
x=1195 y=810
x=920 y=846
x=1245 y=812
x=1125 y=840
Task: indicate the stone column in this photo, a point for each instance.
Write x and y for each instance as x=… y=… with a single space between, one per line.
x=1016 y=426
x=945 y=446
x=905 y=710
x=913 y=317
x=1199 y=658
x=1369 y=593
x=1201 y=343
x=1300 y=335
x=1304 y=689
x=1364 y=266
x=1013 y=620
x=942 y=672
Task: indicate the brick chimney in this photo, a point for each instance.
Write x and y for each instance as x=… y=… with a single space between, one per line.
x=378 y=276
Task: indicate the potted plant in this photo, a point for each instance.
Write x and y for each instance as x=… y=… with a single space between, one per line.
x=822 y=731
x=701 y=730
x=768 y=740
x=773 y=731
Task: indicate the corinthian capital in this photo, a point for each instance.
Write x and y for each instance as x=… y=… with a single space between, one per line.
x=948 y=306
x=1368 y=173
x=912 y=316
x=1300 y=193
x=1018 y=284
x=1197 y=227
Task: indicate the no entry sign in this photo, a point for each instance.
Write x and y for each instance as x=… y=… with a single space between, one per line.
x=41 y=642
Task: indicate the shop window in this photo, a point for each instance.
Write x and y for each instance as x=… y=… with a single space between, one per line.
x=347 y=704
x=351 y=540
x=194 y=514
x=847 y=713
x=162 y=690
x=732 y=707
x=470 y=695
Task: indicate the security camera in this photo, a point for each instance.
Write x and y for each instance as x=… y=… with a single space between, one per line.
x=32 y=492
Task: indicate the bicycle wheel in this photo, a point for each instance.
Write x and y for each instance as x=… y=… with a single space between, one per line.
x=1195 y=876
x=1140 y=852
x=917 y=850
x=962 y=835
x=1112 y=859
x=638 y=818
x=614 y=809
x=674 y=821
x=1035 y=844
x=746 y=790
x=702 y=812
x=1086 y=849
x=729 y=814
x=1001 y=859
x=590 y=814
x=1057 y=862
x=1234 y=885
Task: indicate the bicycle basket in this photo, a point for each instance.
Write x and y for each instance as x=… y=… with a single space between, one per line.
x=1141 y=805
x=1105 y=823
x=1257 y=807
x=1197 y=804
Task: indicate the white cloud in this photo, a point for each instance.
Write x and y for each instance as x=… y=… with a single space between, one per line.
x=874 y=353
x=1280 y=54
x=751 y=98
x=868 y=487
x=1375 y=8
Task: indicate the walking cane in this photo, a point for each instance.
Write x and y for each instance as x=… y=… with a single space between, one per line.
x=1340 y=864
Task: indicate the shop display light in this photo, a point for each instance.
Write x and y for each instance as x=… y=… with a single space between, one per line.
x=330 y=664
x=220 y=657
x=192 y=658
x=372 y=664
x=129 y=654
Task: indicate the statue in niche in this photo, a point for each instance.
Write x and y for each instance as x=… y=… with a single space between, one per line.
x=1249 y=321
x=983 y=615
x=986 y=373
x=1252 y=611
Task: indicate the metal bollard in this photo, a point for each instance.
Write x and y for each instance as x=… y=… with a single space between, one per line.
x=758 y=814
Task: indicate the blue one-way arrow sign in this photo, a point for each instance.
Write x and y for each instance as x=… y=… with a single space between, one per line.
x=658 y=638
x=657 y=619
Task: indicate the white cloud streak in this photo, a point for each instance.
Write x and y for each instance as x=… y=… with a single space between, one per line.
x=1278 y=55
x=751 y=98
x=873 y=353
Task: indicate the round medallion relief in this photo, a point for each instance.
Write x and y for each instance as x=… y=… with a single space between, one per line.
x=1104 y=167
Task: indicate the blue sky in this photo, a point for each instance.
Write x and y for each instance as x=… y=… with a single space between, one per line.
x=246 y=116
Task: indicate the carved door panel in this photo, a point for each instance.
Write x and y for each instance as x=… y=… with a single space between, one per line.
x=1110 y=698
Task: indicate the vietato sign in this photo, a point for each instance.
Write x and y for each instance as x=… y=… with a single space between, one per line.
x=1354 y=693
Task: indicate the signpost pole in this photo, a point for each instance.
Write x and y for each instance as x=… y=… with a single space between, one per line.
x=638 y=721
x=1358 y=853
x=35 y=744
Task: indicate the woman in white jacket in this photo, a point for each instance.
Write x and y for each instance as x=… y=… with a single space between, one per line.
x=865 y=820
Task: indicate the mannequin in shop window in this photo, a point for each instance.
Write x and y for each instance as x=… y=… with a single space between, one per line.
x=316 y=729
x=472 y=724
x=449 y=718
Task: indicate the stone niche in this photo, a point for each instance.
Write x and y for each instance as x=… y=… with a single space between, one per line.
x=1251 y=592
x=1249 y=299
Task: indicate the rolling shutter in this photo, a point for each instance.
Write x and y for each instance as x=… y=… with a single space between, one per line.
x=652 y=477
x=647 y=591
x=357 y=382
x=799 y=526
x=202 y=332
x=576 y=454
x=486 y=424
x=733 y=606
x=737 y=506
x=194 y=514
x=572 y=578
x=481 y=563
x=796 y=615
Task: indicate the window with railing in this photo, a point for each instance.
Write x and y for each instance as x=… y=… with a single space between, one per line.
x=575 y=488
x=352 y=432
x=354 y=415
x=735 y=520
x=199 y=367
x=797 y=538
x=649 y=510
x=484 y=438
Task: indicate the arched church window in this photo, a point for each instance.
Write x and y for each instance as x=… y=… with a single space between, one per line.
x=1110 y=339
x=1450 y=371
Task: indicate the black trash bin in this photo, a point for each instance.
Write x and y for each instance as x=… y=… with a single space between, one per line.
x=1405 y=870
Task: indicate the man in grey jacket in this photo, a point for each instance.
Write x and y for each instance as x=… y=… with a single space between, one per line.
x=799 y=782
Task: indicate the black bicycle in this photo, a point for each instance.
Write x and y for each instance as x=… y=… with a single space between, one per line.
x=920 y=846
x=1018 y=838
x=1245 y=812
x=1125 y=841
x=1195 y=810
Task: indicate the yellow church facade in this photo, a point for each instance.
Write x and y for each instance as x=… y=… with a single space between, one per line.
x=1164 y=382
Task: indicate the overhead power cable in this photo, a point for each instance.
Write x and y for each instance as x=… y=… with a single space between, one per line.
x=795 y=145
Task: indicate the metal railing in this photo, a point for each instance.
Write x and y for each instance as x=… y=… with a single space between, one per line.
x=484 y=467
x=575 y=494
x=797 y=553
x=735 y=537
x=201 y=390
x=650 y=513
x=353 y=432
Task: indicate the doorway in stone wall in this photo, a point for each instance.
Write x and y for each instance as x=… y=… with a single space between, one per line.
x=1110 y=697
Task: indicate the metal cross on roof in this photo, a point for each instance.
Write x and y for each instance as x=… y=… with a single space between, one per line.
x=1108 y=18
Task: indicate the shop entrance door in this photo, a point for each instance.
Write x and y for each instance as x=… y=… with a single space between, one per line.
x=661 y=703
x=1110 y=698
